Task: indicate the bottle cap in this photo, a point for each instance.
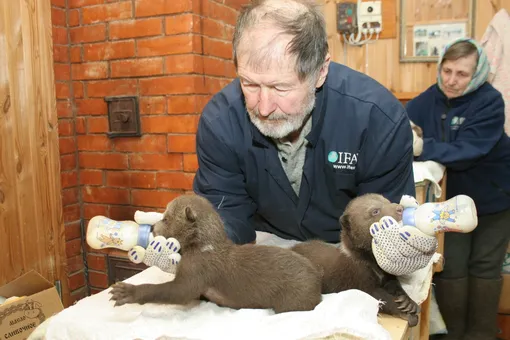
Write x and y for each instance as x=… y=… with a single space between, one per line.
x=144 y=232
x=408 y=217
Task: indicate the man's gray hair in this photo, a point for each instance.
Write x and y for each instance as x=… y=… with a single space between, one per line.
x=300 y=19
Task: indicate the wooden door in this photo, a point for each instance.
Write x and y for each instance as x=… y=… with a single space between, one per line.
x=31 y=220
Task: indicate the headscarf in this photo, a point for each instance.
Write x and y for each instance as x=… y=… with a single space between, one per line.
x=482 y=68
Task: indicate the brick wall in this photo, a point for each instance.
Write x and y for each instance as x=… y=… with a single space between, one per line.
x=171 y=54
x=65 y=88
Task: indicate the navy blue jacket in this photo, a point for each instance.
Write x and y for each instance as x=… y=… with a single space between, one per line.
x=466 y=135
x=360 y=142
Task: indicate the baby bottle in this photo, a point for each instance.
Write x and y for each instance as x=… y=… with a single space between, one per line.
x=103 y=232
x=458 y=214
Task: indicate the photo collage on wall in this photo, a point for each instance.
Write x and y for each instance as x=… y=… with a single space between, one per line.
x=429 y=40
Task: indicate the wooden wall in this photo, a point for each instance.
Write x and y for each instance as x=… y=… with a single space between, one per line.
x=383 y=56
x=31 y=226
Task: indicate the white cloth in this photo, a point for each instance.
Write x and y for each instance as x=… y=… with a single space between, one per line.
x=351 y=313
x=496 y=42
x=431 y=171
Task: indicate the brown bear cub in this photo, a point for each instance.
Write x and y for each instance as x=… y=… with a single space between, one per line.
x=353 y=266
x=230 y=275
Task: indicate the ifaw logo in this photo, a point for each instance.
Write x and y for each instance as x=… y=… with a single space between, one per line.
x=343 y=160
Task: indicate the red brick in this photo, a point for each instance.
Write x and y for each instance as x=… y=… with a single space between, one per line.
x=91 y=106
x=230 y=69
x=184 y=63
x=70 y=196
x=214 y=85
x=62 y=71
x=220 y=12
x=94 y=160
x=91 y=177
x=175 y=180
x=75 y=264
x=171 y=85
x=137 y=68
x=129 y=179
x=62 y=90
x=74 y=17
x=177 y=44
x=98 y=279
x=104 y=88
x=147 y=8
x=76 y=54
x=229 y=31
x=91 y=210
x=89 y=33
x=86 y=71
x=236 y=4
x=170 y=124
x=59 y=35
x=97 y=125
x=105 y=195
x=182 y=104
x=201 y=102
x=65 y=127
x=218 y=48
x=67 y=162
x=213 y=28
x=122 y=213
x=185 y=23
x=181 y=143
x=94 y=143
x=145 y=144
x=97 y=262
x=104 y=13
x=152 y=105
x=136 y=28
x=60 y=53
x=81 y=129
x=77 y=87
x=59 y=3
x=58 y=17
x=73 y=248
x=72 y=231
x=151 y=198
x=66 y=145
x=109 y=50
x=94 y=291
x=82 y=3
x=190 y=162
x=215 y=66
x=69 y=179
x=76 y=280
x=71 y=213
x=155 y=162
x=64 y=109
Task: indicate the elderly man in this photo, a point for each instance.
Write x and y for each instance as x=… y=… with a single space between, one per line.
x=286 y=145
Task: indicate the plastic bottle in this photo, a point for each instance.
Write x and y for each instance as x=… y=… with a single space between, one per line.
x=458 y=214
x=103 y=232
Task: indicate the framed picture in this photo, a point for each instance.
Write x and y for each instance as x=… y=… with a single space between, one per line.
x=428 y=25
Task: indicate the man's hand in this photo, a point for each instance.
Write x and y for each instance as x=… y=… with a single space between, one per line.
x=401 y=250
x=161 y=252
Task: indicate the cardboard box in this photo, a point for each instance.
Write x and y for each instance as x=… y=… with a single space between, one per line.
x=18 y=319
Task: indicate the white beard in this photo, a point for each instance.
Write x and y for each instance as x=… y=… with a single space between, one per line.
x=279 y=125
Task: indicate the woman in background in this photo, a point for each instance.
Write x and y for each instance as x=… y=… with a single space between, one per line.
x=462 y=118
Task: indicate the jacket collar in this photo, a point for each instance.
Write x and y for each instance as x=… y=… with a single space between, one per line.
x=318 y=113
x=454 y=101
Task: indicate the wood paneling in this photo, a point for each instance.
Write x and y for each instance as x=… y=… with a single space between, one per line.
x=381 y=60
x=31 y=219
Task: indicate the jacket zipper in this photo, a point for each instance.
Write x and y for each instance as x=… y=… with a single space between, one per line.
x=443 y=120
